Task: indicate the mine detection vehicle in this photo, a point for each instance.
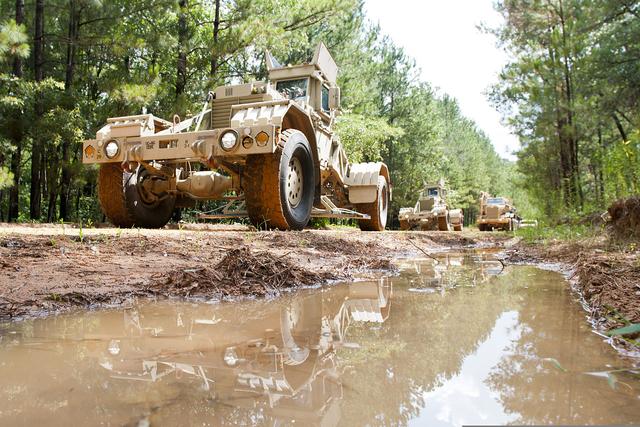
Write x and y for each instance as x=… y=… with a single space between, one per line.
x=431 y=211
x=270 y=148
x=497 y=213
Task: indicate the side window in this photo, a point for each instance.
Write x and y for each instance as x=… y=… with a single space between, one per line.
x=325 y=98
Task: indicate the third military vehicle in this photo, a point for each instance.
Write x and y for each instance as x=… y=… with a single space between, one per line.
x=431 y=211
x=497 y=213
x=270 y=148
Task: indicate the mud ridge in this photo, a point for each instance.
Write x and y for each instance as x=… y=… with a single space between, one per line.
x=48 y=269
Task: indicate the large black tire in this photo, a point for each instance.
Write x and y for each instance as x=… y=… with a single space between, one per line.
x=377 y=210
x=280 y=187
x=124 y=205
x=111 y=181
x=147 y=211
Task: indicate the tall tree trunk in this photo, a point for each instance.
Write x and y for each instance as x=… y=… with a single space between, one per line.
x=181 y=77
x=216 y=35
x=51 y=181
x=575 y=186
x=17 y=134
x=619 y=126
x=17 y=61
x=36 y=153
x=65 y=179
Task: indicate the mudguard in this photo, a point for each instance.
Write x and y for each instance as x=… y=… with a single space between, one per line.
x=362 y=180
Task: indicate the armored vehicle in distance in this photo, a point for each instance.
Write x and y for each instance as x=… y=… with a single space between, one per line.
x=431 y=211
x=497 y=213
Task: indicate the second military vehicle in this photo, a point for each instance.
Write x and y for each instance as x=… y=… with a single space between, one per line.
x=271 y=151
x=431 y=211
x=497 y=213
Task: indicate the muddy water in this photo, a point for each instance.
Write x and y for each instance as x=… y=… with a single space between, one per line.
x=447 y=343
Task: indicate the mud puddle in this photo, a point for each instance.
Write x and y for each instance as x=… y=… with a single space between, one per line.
x=460 y=339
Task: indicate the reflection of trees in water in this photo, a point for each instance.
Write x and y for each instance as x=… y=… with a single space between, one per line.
x=422 y=345
x=534 y=387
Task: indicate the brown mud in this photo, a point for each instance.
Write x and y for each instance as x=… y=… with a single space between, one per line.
x=603 y=269
x=46 y=269
x=625 y=218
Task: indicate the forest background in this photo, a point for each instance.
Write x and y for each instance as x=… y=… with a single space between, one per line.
x=570 y=93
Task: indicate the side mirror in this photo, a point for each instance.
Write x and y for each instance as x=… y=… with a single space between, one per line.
x=334 y=98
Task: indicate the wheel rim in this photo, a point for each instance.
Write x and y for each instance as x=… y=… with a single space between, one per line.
x=295 y=182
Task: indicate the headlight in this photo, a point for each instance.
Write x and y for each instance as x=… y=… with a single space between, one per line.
x=230 y=356
x=262 y=138
x=112 y=149
x=114 y=347
x=247 y=142
x=228 y=140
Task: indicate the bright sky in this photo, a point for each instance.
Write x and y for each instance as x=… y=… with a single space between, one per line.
x=442 y=36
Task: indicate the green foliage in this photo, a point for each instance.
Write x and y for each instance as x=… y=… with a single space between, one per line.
x=571 y=93
x=6 y=178
x=13 y=41
x=565 y=232
x=122 y=58
x=363 y=137
x=626 y=330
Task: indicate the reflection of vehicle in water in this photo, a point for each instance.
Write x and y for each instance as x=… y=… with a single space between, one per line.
x=452 y=270
x=282 y=361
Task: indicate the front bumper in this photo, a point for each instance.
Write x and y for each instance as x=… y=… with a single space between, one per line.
x=494 y=221
x=202 y=146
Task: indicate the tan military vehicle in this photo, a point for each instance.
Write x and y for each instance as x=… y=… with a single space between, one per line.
x=431 y=211
x=497 y=213
x=270 y=147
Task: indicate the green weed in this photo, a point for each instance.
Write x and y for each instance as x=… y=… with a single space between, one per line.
x=545 y=233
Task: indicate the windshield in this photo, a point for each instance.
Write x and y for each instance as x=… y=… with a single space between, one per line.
x=431 y=192
x=293 y=89
x=496 y=201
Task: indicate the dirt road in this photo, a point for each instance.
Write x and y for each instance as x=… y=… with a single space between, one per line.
x=52 y=268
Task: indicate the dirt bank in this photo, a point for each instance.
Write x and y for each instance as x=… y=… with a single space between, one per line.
x=604 y=270
x=52 y=268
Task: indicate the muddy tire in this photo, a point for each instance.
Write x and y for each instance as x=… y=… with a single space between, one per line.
x=377 y=210
x=111 y=195
x=443 y=223
x=280 y=187
x=457 y=227
x=145 y=210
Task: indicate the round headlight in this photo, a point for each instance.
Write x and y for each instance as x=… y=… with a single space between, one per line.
x=247 y=142
x=228 y=140
x=114 y=347
x=112 y=149
x=230 y=356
